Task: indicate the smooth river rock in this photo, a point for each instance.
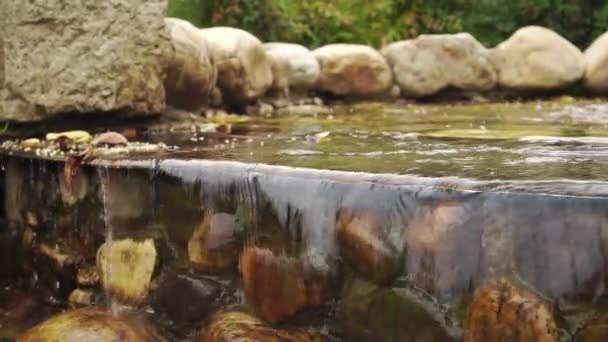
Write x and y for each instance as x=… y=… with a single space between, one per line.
x=91 y=325
x=191 y=73
x=240 y=326
x=83 y=57
x=503 y=312
x=596 y=75
x=431 y=63
x=244 y=70
x=215 y=244
x=362 y=235
x=277 y=286
x=303 y=67
x=352 y=70
x=536 y=58
x=126 y=268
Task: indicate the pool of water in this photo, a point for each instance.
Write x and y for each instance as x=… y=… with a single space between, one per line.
x=537 y=140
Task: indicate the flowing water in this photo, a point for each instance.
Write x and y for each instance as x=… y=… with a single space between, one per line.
x=463 y=194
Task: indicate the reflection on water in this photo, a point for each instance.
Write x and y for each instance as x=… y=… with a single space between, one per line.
x=482 y=141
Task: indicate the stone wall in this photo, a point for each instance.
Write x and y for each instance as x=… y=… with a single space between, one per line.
x=118 y=56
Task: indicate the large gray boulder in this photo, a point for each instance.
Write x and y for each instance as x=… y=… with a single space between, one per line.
x=352 y=70
x=596 y=74
x=244 y=70
x=431 y=63
x=303 y=67
x=83 y=56
x=191 y=73
x=536 y=58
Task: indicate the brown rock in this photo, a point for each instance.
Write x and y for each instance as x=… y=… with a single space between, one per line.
x=278 y=286
x=508 y=314
x=92 y=325
x=239 y=326
x=443 y=241
x=363 y=242
x=216 y=244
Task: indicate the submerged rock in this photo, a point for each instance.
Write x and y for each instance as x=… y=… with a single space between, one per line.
x=505 y=313
x=594 y=330
x=82 y=297
x=362 y=235
x=352 y=70
x=244 y=71
x=431 y=63
x=90 y=324
x=369 y=312
x=303 y=67
x=596 y=56
x=191 y=74
x=240 y=326
x=536 y=58
x=126 y=268
x=83 y=57
x=183 y=298
x=278 y=286
x=216 y=243
x=443 y=247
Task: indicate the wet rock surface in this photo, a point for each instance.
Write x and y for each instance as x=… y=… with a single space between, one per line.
x=431 y=63
x=372 y=313
x=364 y=241
x=536 y=58
x=60 y=43
x=90 y=324
x=236 y=326
x=185 y=299
x=126 y=268
x=441 y=243
x=506 y=313
x=278 y=286
x=216 y=244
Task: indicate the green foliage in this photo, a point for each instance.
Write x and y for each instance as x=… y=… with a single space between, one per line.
x=377 y=22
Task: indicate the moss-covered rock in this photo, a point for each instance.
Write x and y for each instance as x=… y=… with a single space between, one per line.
x=369 y=312
x=126 y=268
